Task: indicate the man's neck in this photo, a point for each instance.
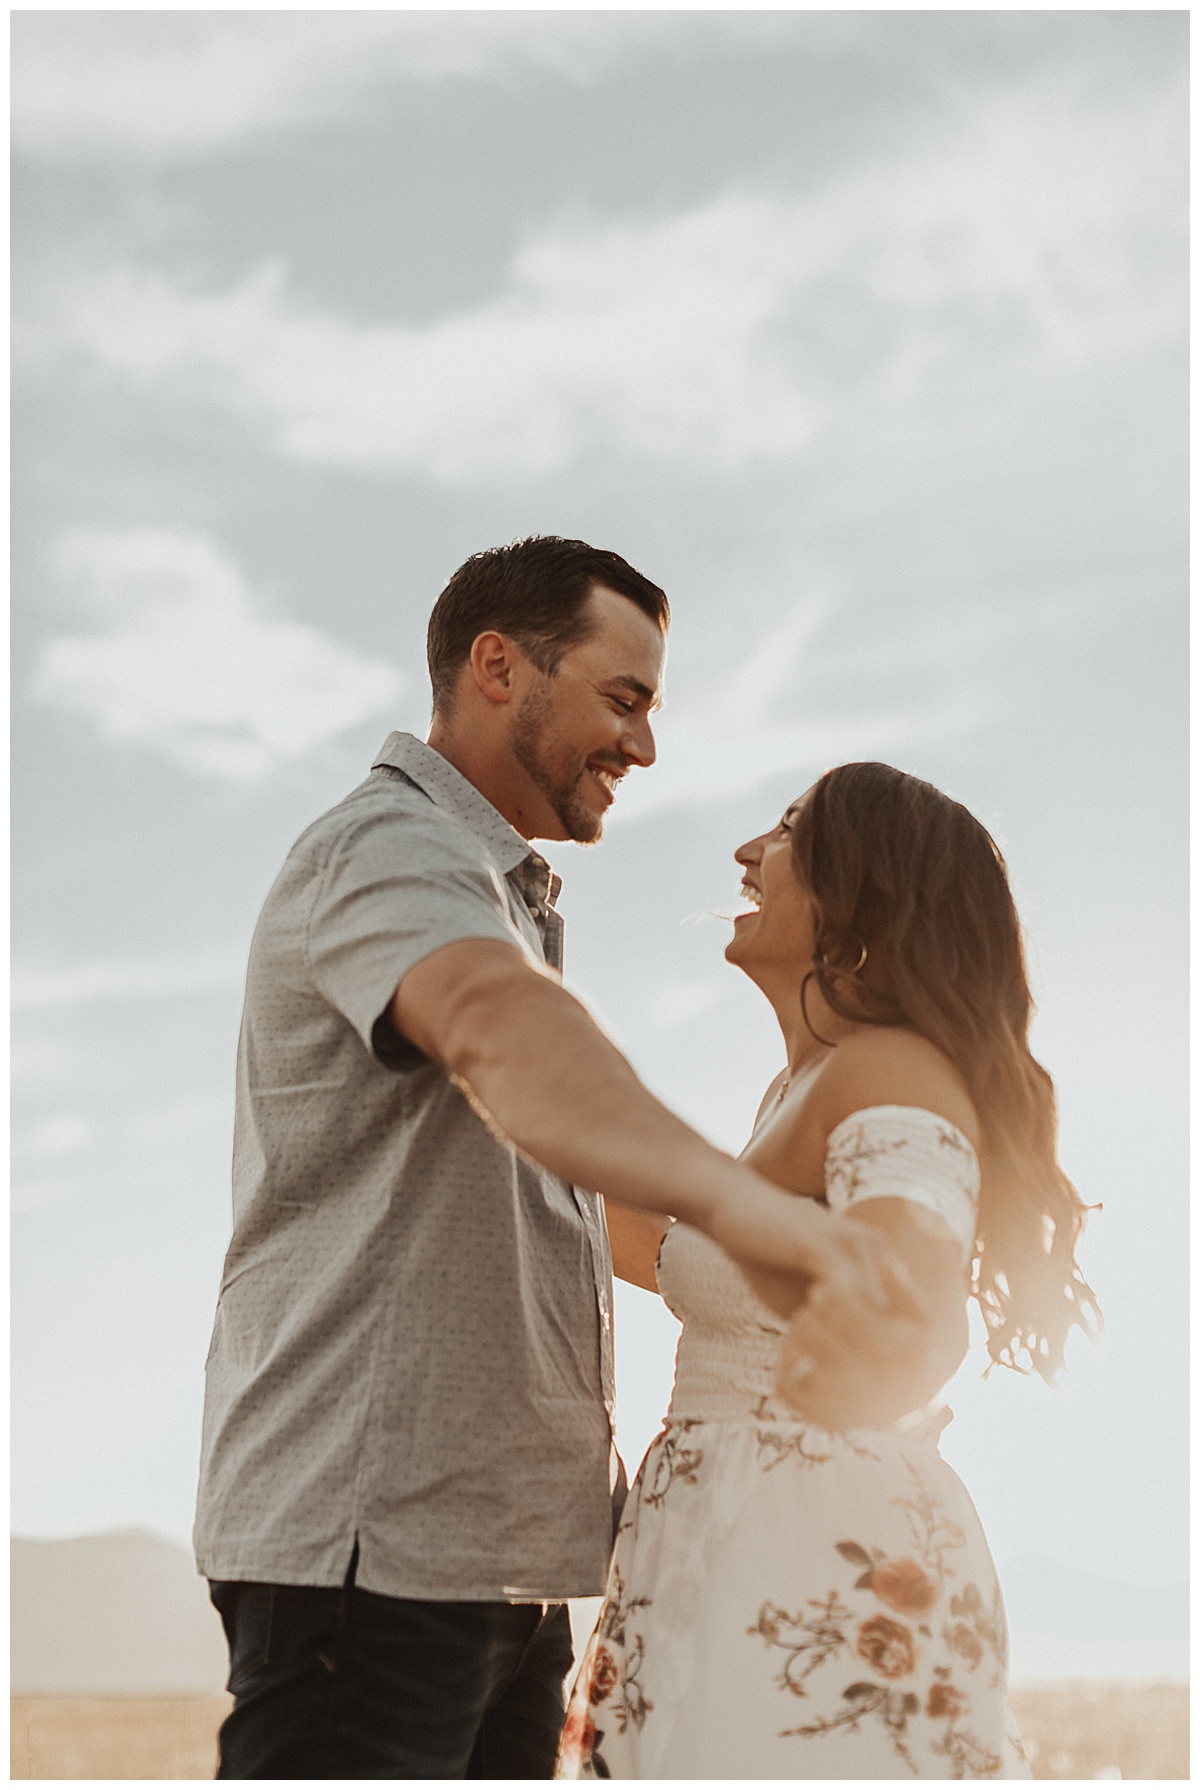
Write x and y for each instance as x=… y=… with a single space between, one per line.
x=491 y=772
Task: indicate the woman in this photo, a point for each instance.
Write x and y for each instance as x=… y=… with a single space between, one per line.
x=795 y=1592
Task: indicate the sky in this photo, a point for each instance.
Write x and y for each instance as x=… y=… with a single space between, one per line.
x=861 y=333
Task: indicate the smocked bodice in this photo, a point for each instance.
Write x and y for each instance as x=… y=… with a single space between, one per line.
x=729 y=1346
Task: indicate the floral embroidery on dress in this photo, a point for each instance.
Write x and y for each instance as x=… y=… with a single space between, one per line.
x=790 y=1442
x=934 y=1532
x=893 y=1708
x=949 y=1137
x=849 y=1159
x=808 y=1641
x=619 y=1606
x=611 y=1675
x=672 y=1461
x=903 y=1585
x=907 y=1586
x=887 y=1647
x=976 y=1631
x=794 y=1440
x=947 y=1704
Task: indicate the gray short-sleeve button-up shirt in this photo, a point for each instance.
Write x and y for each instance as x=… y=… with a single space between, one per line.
x=413 y=1340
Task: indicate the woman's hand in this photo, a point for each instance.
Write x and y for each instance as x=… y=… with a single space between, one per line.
x=848 y=1363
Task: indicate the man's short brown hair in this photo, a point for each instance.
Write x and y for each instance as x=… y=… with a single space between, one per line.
x=535 y=591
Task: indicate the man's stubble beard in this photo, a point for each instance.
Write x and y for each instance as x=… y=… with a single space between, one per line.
x=560 y=786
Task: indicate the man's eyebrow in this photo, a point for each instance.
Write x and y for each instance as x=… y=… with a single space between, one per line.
x=636 y=687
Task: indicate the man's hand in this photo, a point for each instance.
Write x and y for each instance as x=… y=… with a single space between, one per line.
x=850 y=1362
x=785 y=1244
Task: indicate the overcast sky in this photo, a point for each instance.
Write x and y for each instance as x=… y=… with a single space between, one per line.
x=862 y=333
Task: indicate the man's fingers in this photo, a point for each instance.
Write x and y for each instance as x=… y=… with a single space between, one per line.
x=903 y=1296
x=828 y=1322
x=867 y=1272
x=838 y=1306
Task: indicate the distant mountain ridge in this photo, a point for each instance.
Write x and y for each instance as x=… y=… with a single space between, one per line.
x=1065 y=1623
x=125 y=1614
x=122 y=1614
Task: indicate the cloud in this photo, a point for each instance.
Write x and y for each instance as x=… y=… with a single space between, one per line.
x=131 y=1148
x=646 y=339
x=175 y=84
x=61 y=1135
x=767 y=712
x=37 y=1063
x=35 y=987
x=833 y=680
x=1039 y=233
x=190 y=662
x=182 y=86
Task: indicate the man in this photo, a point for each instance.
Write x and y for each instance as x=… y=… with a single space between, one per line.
x=408 y=1463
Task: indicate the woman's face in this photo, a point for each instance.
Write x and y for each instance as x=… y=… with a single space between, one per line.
x=775 y=940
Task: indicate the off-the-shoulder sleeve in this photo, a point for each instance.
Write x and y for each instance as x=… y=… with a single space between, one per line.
x=905 y=1153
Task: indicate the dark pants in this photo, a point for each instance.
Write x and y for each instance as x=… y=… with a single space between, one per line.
x=348 y=1684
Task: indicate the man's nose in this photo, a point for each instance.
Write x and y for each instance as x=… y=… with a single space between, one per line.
x=637 y=743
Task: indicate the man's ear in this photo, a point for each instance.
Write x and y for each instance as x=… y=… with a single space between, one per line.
x=493 y=663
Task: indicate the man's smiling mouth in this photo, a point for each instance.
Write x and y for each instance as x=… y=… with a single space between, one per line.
x=606 y=777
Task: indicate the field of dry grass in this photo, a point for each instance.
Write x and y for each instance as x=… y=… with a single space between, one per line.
x=1082 y=1730
x=115 y=1737
x=1092 y=1729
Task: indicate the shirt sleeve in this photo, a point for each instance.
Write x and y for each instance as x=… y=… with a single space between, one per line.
x=397 y=887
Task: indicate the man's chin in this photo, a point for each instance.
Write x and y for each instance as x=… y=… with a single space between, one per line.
x=582 y=824
x=583 y=828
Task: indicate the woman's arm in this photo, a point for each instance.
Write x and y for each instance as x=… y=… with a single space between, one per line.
x=635 y=1238
x=904 y=1357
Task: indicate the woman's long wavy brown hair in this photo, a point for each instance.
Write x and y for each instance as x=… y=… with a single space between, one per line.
x=895 y=866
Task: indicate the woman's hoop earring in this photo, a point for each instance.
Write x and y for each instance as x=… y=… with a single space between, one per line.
x=832 y=969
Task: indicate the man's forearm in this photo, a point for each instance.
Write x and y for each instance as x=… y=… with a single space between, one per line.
x=536 y=1063
x=539 y=1069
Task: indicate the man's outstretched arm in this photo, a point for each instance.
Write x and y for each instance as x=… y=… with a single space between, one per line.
x=545 y=1076
x=542 y=1073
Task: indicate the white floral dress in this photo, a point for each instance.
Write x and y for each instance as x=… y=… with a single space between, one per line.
x=783 y=1601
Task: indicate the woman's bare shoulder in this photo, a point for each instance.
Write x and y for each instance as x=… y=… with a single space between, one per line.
x=893 y=1066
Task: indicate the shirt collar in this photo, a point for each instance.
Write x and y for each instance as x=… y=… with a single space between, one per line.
x=451 y=790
